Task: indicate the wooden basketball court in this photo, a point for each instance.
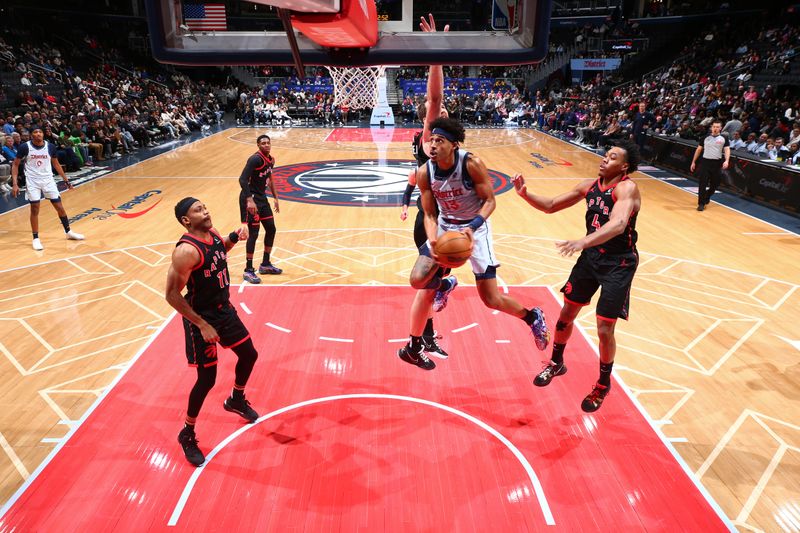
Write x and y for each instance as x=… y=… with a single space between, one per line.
x=709 y=354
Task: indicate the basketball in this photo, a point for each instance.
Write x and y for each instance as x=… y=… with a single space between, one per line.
x=453 y=249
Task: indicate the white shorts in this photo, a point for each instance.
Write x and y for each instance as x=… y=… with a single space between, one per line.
x=38 y=188
x=483 y=255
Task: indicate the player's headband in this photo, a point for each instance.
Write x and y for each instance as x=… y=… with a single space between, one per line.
x=182 y=207
x=446 y=134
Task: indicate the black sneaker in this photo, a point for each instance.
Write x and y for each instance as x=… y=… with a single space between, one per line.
x=431 y=347
x=188 y=442
x=550 y=371
x=419 y=358
x=241 y=408
x=594 y=400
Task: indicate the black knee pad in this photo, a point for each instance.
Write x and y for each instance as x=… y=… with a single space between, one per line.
x=252 y=238
x=269 y=231
x=246 y=351
x=561 y=326
x=206 y=378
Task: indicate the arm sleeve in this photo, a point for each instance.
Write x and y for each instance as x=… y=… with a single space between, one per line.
x=407 y=194
x=244 y=179
x=22 y=151
x=727 y=142
x=51 y=149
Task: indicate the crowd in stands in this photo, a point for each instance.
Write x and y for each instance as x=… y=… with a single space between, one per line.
x=107 y=111
x=683 y=99
x=114 y=106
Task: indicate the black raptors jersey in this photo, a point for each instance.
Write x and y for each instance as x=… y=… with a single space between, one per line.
x=209 y=283
x=416 y=149
x=420 y=156
x=599 y=204
x=255 y=175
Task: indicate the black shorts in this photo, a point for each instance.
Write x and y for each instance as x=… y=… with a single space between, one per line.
x=614 y=273
x=232 y=332
x=263 y=211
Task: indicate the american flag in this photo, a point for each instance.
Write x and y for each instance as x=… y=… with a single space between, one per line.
x=205 y=17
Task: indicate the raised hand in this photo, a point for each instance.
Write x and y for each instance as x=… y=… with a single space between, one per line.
x=429 y=26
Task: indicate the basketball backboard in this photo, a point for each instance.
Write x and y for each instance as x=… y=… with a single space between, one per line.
x=181 y=34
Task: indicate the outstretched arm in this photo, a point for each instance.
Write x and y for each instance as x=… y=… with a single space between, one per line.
x=435 y=90
x=627 y=202
x=557 y=203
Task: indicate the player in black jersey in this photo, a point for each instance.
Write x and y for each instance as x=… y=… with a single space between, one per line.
x=420 y=147
x=254 y=207
x=608 y=259
x=199 y=261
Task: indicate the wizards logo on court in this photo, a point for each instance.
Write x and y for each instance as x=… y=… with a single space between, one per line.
x=355 y=182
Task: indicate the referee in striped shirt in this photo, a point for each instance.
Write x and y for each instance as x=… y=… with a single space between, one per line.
x=716 y=150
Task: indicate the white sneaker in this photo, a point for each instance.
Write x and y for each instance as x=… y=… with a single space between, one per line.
x=37 y=245
x=71 y=235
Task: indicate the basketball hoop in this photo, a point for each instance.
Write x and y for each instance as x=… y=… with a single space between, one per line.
x=356 y=87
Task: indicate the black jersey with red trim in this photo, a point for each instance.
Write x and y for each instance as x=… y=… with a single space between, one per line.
x=257 y=171
x=209 y=282
x=418 y=151
x=599 y=203
x=420 y=156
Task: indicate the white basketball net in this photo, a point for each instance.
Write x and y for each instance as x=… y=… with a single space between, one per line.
x=355 y=87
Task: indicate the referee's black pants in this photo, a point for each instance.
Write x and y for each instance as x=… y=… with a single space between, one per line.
x=710 y=175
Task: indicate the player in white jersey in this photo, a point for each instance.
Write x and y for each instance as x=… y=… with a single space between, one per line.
x=39 y=158
x=458 y=183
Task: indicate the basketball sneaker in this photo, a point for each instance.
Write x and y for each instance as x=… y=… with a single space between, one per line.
x=241 y=408
x=539 y=329
x=547 y=374
x=269 y=269
x=188 y=442
x=431 y=347
x=440 y=299
x=73 y=236
x=416 y=358
x=594 y=400
x=37 y=245
x=250 y=277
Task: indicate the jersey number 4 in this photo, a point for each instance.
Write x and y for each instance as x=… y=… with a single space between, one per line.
x=595 y=222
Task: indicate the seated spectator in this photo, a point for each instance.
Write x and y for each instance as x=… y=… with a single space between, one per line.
x=782 y=152
x=794 y=154
x=770 y=152
x=737 y=143
x=611 y=133
x=9 y=148
x=761 y=145
x=752 y=143
x=5 y=170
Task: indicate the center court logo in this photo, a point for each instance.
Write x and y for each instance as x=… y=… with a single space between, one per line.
x=355 y=182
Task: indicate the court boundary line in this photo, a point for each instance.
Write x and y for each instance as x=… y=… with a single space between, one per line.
x=663 y=438
x=537 y=486
x=111 y=174
x=79 y=423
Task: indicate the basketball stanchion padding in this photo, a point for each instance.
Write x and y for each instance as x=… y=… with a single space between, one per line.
x=453 y=249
